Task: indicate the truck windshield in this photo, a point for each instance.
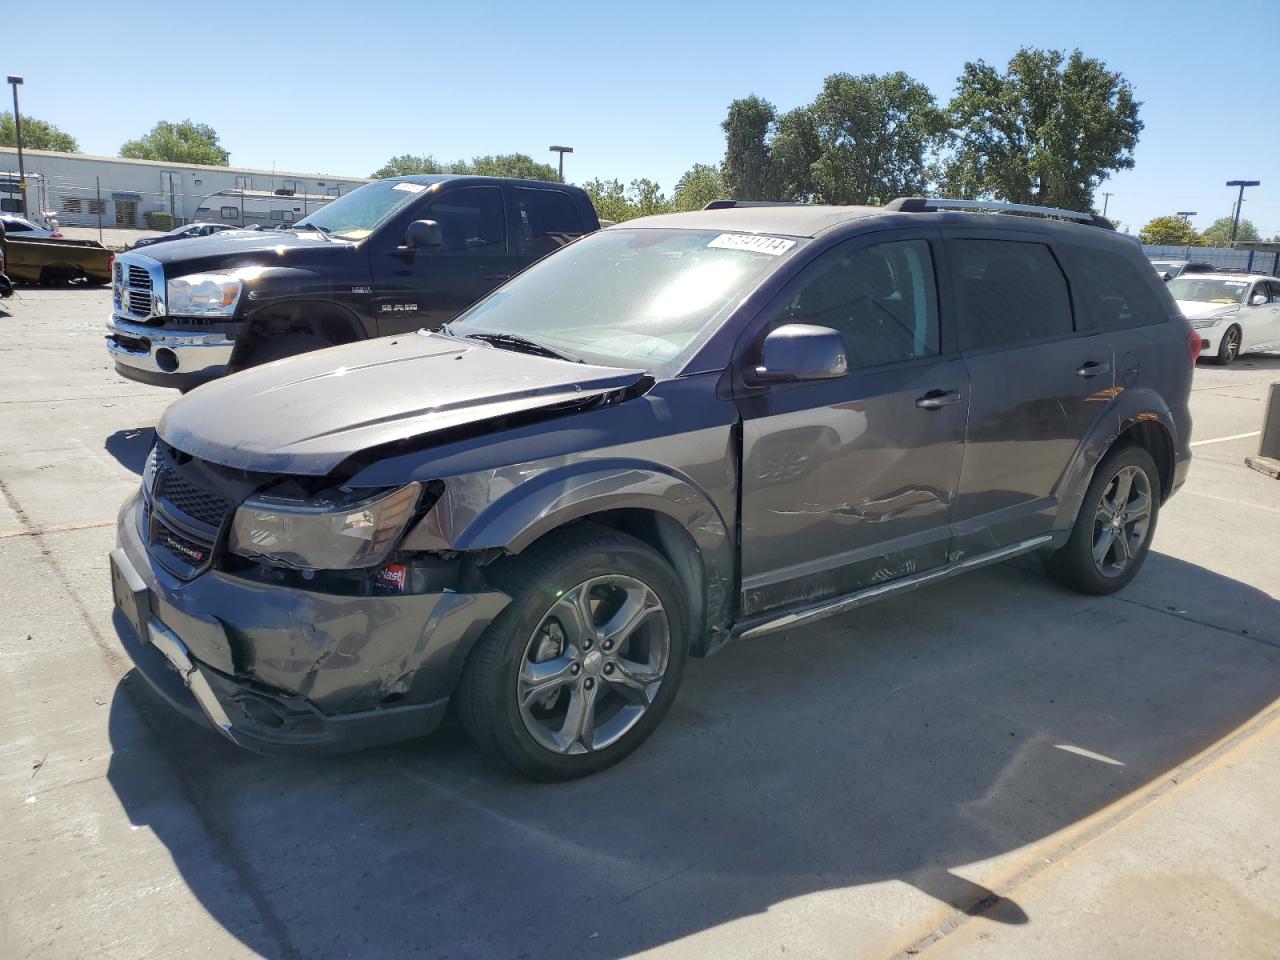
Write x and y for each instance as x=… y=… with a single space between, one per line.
x=360 y=212
x=1208 y=291
x=645 y=298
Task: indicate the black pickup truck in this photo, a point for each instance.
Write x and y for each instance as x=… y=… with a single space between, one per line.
x=392 y=256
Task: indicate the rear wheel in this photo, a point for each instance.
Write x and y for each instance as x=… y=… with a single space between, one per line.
x=1229 y=348
x=583 y=664
x=1113 y=530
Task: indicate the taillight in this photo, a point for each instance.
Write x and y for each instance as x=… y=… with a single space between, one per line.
x=1194 y=345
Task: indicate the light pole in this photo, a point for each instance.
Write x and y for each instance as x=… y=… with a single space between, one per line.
x=15 y=82
x=1106 y=199
x=562 y=151
x=1235 y=220
x=1186 y=215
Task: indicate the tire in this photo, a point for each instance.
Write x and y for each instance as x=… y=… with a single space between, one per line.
x=277 y=348
x=1228 y=347
x=1076 y=564
x=625 y=699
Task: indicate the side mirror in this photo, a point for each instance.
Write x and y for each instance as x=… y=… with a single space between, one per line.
x=1257 y=300
x=798 y=352
x=423 y=233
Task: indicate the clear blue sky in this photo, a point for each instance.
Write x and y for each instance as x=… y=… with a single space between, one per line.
x=638 y=89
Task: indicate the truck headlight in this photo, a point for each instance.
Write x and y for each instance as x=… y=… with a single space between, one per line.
x=204 y=295
x=333 y=531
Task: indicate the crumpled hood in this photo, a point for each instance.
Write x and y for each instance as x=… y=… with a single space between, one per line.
x=306 y=414
x=1195 y=310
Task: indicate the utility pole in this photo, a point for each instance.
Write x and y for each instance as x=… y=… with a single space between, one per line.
x=1106 y=199
x=562 y=151
x=1235 y=220
x=15 y=82
x=1186 y=215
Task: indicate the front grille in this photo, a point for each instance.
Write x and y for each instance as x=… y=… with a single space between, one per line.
x=139 y=279
x=139 y=303
x=181 y=494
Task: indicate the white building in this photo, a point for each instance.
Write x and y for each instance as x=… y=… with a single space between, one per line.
x=84 y=190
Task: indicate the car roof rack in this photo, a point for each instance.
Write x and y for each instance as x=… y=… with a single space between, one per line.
x=727 y=204
x=927 y=204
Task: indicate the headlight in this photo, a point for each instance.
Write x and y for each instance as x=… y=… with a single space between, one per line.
x=1210 y=321
x=204 y=295
x=331 y=532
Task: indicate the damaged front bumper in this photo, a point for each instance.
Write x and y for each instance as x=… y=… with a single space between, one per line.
x=282 y=670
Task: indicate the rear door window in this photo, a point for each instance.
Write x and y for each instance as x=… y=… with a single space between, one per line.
x=1009 y=293
x=1109 y=292
x=548 y=219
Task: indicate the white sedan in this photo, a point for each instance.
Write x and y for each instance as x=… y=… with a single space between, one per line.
x=19 y=227
x=1233 y=313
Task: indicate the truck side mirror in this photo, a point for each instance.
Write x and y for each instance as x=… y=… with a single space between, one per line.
x=423 y=233
x=797 y=352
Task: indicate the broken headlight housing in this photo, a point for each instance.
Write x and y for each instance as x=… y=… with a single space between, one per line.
x=335 y=530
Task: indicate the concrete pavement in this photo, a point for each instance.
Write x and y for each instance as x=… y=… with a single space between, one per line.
x=992 y=767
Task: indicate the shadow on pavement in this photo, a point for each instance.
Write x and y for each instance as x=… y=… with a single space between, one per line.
x=130 y=447
x=902 y=743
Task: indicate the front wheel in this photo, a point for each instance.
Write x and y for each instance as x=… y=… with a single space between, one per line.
x=279 y=347
x=1113 y=530
x=1229 y=348
x=583 y=664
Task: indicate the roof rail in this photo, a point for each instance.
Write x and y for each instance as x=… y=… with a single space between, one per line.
x=924 y=204
x=726 y=204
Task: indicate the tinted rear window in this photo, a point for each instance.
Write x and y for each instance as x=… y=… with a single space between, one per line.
x=1110 y=292
x=1009 y=292
x=548 y=219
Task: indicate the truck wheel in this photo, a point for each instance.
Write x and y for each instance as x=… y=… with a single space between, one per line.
x=1113 y=530
x=585 y=661
x=277 y=348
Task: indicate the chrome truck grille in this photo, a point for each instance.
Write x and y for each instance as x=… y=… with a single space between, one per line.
x=138 y=287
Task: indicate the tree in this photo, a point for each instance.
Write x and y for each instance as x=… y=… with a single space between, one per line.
x=700 y=184
x=874 y=135
x=1168 y=230
x=1218 y=233
x=183 y=142
x=506 y=165
x=748 y=167
x=615 y=202
x=36 y=135
x=1048 y=130
x=795 y=149
x=407 y=165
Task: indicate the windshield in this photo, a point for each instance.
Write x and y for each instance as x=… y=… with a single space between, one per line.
x=360 y=212
x=643 y=298
x=1199 y=290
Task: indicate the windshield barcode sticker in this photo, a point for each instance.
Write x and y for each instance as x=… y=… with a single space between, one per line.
x=410 y=187
x=774 y=246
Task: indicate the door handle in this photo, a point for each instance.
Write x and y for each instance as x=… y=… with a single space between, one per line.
x=937 y=399
x=1093 y=369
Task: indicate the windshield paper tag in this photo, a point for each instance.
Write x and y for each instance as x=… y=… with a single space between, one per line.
x=410 y=187
x=774 y=246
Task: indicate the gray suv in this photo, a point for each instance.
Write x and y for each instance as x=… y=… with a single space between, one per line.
x=673 y=433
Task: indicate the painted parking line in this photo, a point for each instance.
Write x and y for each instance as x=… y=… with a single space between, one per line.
x=1234 y=436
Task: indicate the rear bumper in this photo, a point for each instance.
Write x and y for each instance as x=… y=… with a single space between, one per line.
x=167 y=358
x=283 y=671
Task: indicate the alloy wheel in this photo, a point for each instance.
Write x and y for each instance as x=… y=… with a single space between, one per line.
x=1231 y=344
x=1122 y=521
x=594 y=664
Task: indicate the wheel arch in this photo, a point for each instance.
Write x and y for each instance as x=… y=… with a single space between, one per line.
x=321 y=318
x=666 y=511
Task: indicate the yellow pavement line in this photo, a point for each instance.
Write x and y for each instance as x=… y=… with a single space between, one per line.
x=1234 y=436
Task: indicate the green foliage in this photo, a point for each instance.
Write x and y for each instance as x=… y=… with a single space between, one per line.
x=615 y=202
x=1047 y=130
x=159 y=219
x=748 y=166
x=407 y=165
x=1168 y=230
x=1218 y=233
x=502 y=165
x=874 y=134
x=36 y=135
x=184 y=142
x=700 y=184
x=795 y=150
